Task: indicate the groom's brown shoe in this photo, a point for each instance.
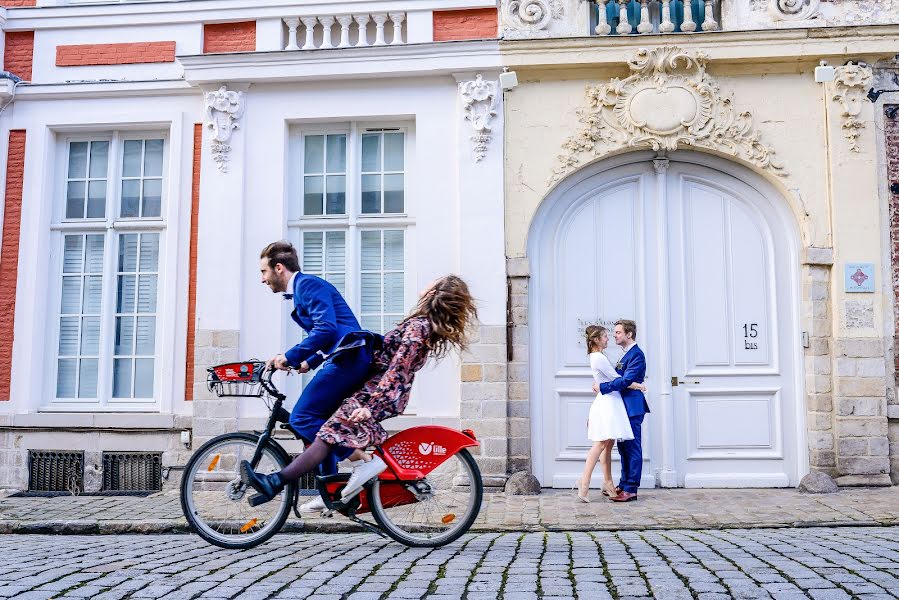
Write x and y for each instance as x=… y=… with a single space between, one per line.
x=623 y=497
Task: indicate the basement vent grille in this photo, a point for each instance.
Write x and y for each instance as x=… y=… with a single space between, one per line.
x=55 y=471
x=132 y=471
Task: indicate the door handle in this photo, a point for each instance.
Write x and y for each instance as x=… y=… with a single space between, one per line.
x=676 y=382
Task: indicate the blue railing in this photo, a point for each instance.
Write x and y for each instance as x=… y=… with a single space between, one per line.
x=654 y=16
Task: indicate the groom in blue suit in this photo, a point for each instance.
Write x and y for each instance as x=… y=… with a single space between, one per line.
x=632 y=368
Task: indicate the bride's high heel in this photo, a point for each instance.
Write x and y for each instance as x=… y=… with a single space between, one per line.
x=608 y=489
x=582 y=495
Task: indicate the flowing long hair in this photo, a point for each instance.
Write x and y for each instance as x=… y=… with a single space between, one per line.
x=451 y=309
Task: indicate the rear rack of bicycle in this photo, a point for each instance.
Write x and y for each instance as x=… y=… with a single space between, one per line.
x=242 y=379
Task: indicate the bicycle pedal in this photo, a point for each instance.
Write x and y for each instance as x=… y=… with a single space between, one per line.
x=257 y=499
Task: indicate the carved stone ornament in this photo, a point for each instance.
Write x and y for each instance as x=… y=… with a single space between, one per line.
x=794 y=10
x=668 y=102
x=223 y=109
x=851 y=83
x=533 y=15
x=479 y=103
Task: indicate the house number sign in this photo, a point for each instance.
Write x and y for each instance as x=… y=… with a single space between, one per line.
x=750 y=336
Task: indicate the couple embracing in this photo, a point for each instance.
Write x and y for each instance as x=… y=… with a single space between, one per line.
x=616 y=413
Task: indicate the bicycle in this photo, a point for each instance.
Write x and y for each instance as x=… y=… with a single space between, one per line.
x=429 y=495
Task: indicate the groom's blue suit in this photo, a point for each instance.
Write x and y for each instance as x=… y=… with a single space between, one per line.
x=632 y=368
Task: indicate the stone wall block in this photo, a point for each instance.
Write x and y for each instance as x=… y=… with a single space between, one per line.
x=822 y=459
x=493 y=334
x=520 y=336
x=860 y=386
x=820 y=440
x=519 y=372
x=486 y=354
x=818 y=346
x=859 y=347
x=518 y=391
x=852 y=447
x=472 y=372
x=860 y=407
x=819 y=402
x=864 y=465
x=818 y=421
x=495 y=373
x=519 y=446
x=878 y=446
x=846 y=367
x=871 y=367
x=520 y=408
x=861 y=427
x=498 y=446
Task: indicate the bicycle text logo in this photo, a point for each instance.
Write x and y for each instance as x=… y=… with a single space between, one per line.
x=431 y=448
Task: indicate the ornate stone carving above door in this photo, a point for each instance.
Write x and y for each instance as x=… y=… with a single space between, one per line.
x=668 y=102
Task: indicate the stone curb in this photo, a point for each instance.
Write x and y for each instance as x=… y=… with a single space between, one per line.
x=180 y=526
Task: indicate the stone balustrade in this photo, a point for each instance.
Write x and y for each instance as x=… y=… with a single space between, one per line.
x=625 y=17
x=319 y=32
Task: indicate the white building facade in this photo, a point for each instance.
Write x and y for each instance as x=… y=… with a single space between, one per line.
x=166 y=144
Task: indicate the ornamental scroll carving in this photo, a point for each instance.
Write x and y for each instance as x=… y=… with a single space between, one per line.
x=223 y=109
x=851 y=83
x=478 y=103
x=794 y=10
x=533 y=15
x=668 y=102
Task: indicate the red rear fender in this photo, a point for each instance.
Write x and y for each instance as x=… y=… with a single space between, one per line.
x=424 y=448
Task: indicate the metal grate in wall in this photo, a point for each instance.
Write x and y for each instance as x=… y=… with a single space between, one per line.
x=132 y=471
x=55 y=471
x=306 y=483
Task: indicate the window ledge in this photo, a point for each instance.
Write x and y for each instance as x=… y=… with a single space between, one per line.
x=74 y=420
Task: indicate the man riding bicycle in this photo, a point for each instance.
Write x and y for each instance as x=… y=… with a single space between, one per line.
x=334 y=340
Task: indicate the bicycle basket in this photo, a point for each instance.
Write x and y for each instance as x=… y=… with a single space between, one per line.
x=236 y=379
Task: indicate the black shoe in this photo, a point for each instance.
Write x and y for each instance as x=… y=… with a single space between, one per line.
x=268 y=486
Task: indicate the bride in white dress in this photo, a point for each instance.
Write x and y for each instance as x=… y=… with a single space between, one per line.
x=608 y=420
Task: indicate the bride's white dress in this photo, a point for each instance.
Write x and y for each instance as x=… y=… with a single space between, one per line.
x=608 y=418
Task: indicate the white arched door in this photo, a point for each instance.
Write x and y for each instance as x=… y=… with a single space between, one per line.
x=702 y=261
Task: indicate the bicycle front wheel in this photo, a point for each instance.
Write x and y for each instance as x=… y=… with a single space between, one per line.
x=214 y=499
x=448 y=502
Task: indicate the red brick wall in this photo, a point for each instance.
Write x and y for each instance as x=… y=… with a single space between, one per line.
x=192 y=283
x=9 y=252
x=473 y=24
x=229 y=37
x=115 y=54
x=18 y=53
x=891 y=135
x=17 y=3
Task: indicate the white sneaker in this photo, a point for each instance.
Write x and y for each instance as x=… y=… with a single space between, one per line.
x=316 y=505
x=362 y=474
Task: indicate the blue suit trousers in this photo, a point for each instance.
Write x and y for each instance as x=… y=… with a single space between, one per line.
x=631 y=452
x=338 y=379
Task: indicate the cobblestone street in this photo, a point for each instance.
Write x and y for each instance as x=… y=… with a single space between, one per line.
x=819 y=563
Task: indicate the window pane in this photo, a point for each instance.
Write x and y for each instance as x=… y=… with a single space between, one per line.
x=77 y=160
x=336 y=195
x=146 y=335
x=72 y=254
x=96 y=200
x=393 y=193
x=393 y=292
x=143 y=378
x=75 y=200
x=131 y=160
x=153 y=158
x=336 y=153
x=90 y=336
x=95 y=245
x=393 y=249
x=87 y=378
x=125 y=294
x=130 y=197
x=371 y=153
x=314 y=154
x=371 y=250
x=68 y=337
x=128 y=252
x=65 y=378
x=312 y=195
x=146 y=294
x=124 y=335
x=99 y=157
x=93 y=295
x=372 y=323
x=121 y=378
x=71 y=295
x=371 y=193
x=371 y=292
x=338 y=280
x=312 y=251
x=335 y=260
x=152 y=202
x=149 y=252
x=391 y=321
x=393 y=151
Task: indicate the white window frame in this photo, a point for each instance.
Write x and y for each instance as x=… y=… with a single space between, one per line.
x=111 y=226
x=354 y=221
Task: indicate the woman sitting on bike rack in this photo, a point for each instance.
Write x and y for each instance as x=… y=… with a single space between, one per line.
x=438 y=323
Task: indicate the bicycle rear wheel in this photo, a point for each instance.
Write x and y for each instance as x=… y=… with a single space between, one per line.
x=449 y=500
x=214 y=499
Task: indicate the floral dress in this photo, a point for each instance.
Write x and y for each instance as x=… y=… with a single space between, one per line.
x=386 y=393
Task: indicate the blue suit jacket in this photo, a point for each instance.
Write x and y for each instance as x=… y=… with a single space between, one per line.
x=323 y=313
x=633 y=369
